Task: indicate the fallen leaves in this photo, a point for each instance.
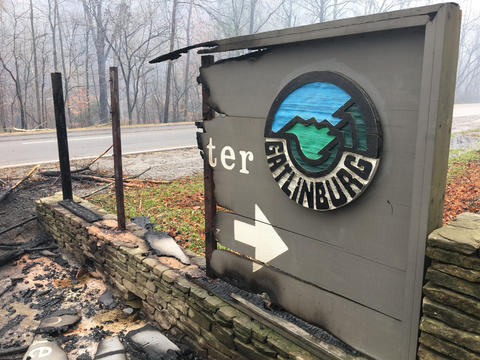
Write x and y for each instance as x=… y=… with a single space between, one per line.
x=463 y=188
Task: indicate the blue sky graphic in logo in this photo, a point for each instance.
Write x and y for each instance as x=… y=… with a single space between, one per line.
x=316 y=99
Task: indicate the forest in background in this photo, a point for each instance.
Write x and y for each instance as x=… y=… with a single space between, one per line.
x=82 y=38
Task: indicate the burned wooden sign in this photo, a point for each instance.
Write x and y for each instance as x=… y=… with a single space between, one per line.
x=330 y=153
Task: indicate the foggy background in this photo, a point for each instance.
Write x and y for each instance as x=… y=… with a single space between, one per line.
x=82 y=38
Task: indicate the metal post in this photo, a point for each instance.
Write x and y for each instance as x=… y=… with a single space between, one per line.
x=117 y=147
x=209 y=186
x=62 y=140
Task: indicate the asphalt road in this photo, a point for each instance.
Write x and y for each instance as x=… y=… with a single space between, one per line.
x=466 y=117
x=26 y=149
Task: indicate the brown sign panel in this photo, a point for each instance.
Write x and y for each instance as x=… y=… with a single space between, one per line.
x=331 y=160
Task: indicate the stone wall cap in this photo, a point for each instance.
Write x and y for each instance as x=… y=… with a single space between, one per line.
x=461 y=239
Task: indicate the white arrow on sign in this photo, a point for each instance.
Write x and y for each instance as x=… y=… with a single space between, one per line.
x=262 y=236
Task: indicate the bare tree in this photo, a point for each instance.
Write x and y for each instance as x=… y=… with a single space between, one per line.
x=35 y=69
x=377 y=6
x=52 y=20
x=133 y=44
x=15 y=73
x=169 y=65
x=94 y=12
x=186 y=83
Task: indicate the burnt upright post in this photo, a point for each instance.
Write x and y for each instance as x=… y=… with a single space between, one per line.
x=209 y=186
x=62 y=140
x=117 y=147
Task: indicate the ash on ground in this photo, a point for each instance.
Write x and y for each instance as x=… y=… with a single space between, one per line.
x=45 y=295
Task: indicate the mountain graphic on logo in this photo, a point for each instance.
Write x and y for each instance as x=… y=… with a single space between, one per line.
x=311 y=136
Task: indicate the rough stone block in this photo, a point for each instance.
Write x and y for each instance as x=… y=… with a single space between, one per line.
x=452 y=257
x=159 y=269
x=448 y=297
x=183 y=285
x=150 y=263
x=192 y=326
x=200 y=319
x=177 y=293
x=264 y=348
x=447 y=348
x=170 y=276
x=130 y=252
x=223 y=334
x=122 y=273
x=142 y=267
x=180 y=305
x=197 y=293
x=131 y=287
x=454 y=270
x=450 y=316
x=243 y=327
x=214 y=343
x=162 y=285
x=164 y=319
x=250 y=351
x=120 y=264
x=217 y=355
x=281 y=345
x=259 y=332
x=425 y=353
x=173 y=311
x=212 y=303
x=456 y=336
x=453 y=283
x=162 y=298
x=117 y=283
x=151 y=286
x=226 y=314
x=132 y=270
x=147 y=293
x=149 y=308
x=141 y=279
x=198 y=344
x=468 y=216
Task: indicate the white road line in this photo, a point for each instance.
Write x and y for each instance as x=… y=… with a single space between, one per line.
x=70 y=139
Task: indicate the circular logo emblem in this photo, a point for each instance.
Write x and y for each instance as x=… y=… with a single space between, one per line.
x=322 y=140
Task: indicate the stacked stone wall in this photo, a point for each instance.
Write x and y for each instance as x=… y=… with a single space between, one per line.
x=213 y=327
x=450 y=324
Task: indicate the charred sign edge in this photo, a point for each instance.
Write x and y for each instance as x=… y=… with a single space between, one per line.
x=418 y=16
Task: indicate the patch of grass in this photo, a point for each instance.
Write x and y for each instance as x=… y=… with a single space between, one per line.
x=455 y=152
x=470 y=131
x=457 y=165
x=177 y=208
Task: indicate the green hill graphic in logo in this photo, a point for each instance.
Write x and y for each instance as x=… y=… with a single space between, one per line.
x=322 y=140
x=311 y=138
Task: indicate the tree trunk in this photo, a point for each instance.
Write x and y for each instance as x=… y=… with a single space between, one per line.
x=53 y=25
x=99 y=40
x=35 y=70
x=251 y=26
x=3 y=117
x=87 y=78
x=187 y=63
x=64 y=68
x=169 y=65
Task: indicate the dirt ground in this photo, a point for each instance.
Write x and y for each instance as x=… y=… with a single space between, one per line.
x=44 y=282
